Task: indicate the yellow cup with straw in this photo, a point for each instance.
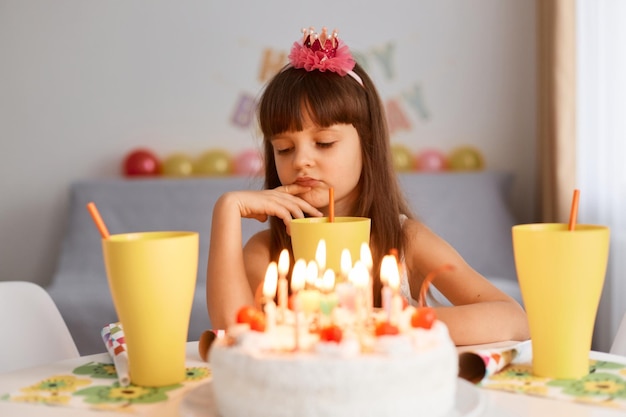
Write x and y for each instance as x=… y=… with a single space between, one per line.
x=561 y=270
x=152 y=278
x=337 y=232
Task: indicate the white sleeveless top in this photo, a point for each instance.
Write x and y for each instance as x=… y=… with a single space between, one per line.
x=405 y=288
x=433 y=296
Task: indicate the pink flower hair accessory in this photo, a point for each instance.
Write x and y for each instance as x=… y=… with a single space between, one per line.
x=322 y=52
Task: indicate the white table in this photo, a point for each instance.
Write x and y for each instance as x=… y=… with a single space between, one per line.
x=497 y=403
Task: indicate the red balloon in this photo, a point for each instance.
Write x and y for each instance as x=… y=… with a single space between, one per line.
x=431 y=160
x=141 y=162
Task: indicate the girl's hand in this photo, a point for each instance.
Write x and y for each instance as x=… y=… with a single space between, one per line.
x=282 y=202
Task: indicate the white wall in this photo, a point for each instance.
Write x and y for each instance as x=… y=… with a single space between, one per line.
x=82 y=82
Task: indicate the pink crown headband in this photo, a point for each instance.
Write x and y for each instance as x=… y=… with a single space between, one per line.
x=323 y=53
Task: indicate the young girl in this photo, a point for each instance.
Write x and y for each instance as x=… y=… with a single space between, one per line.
x=324 y=126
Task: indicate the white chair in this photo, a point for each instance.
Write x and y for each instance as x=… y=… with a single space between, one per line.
x=619 y=342
x=32 y=329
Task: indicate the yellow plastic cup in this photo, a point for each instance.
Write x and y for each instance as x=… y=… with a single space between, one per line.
x=152 y=278
x=343 y=232
x=561 y=275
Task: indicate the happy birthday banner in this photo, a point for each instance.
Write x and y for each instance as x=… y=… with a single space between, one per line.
x=272 y=60
x=404 y=109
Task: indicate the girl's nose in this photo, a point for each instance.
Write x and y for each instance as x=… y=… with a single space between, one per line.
x=302 y=158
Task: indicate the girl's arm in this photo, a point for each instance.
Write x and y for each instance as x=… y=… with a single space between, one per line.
x=481 y=313
x=229 y=284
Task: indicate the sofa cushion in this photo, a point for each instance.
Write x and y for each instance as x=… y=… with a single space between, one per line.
x=471 y=211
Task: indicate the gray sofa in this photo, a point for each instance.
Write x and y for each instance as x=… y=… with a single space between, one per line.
x=469 y=209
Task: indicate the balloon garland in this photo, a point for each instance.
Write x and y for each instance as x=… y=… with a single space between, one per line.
x=143 y=162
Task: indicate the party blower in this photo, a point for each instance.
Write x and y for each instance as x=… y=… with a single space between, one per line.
x=152 y=278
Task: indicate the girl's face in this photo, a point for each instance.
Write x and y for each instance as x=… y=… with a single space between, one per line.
x=320 y=158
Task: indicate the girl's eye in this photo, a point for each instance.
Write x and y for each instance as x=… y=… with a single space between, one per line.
x=282 y=151
x=325 y=145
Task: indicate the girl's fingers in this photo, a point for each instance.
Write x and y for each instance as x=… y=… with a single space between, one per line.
x=302 y=206
x=293 y=189
x=282 y=202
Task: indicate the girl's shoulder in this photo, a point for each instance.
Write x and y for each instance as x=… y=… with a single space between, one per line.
x=259 y=241
x=419 y=238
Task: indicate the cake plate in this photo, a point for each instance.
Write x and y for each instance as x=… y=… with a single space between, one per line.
x=470 y=402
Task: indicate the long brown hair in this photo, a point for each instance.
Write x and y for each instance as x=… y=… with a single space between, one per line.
x=328 y=99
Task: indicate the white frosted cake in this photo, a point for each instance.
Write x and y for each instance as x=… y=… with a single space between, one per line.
x=411 y=373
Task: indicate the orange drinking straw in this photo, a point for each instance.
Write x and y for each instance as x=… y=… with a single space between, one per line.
x=95 y=215
x=331 y=204
x=574 y=210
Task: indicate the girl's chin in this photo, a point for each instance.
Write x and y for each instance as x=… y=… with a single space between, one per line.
x=315 y=200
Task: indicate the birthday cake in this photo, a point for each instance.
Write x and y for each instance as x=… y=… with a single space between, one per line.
x=342 y=368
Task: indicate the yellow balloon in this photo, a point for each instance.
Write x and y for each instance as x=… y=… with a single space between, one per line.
x=466 y=158
x=216 y=162
x=177 y=165
x=402 y=158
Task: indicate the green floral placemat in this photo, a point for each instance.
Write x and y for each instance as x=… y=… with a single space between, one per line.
x=605 y=384
x=94 y=385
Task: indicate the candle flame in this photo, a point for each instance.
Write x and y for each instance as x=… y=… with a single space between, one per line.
x=320 y=254
x=318 y=283
x=385 y=269
x=283 y=262
x=312 y=272
x=359 y=276
x=328 y=281
x=271 y=280
x=366 y=256
x=298 y=275
x=346 y=262
x=389 y=273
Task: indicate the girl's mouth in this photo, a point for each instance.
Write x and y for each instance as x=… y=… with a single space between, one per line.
x=307 y=182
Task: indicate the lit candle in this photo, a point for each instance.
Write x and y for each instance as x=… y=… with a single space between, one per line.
x=366 y=258
x=310 y=295
x=320 y=256
x=269 y=292
x=283 y=291
x=386 y=293
x=327 y=282
x=394 y=285
x=328 y=300
x=359 y=278
x=346 y=294
x=298 y=276
x=311 y=274
x=344 y=288
x=346 y=264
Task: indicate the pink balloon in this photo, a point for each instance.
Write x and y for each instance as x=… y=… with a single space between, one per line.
x=249 y=163
x=431 y=160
